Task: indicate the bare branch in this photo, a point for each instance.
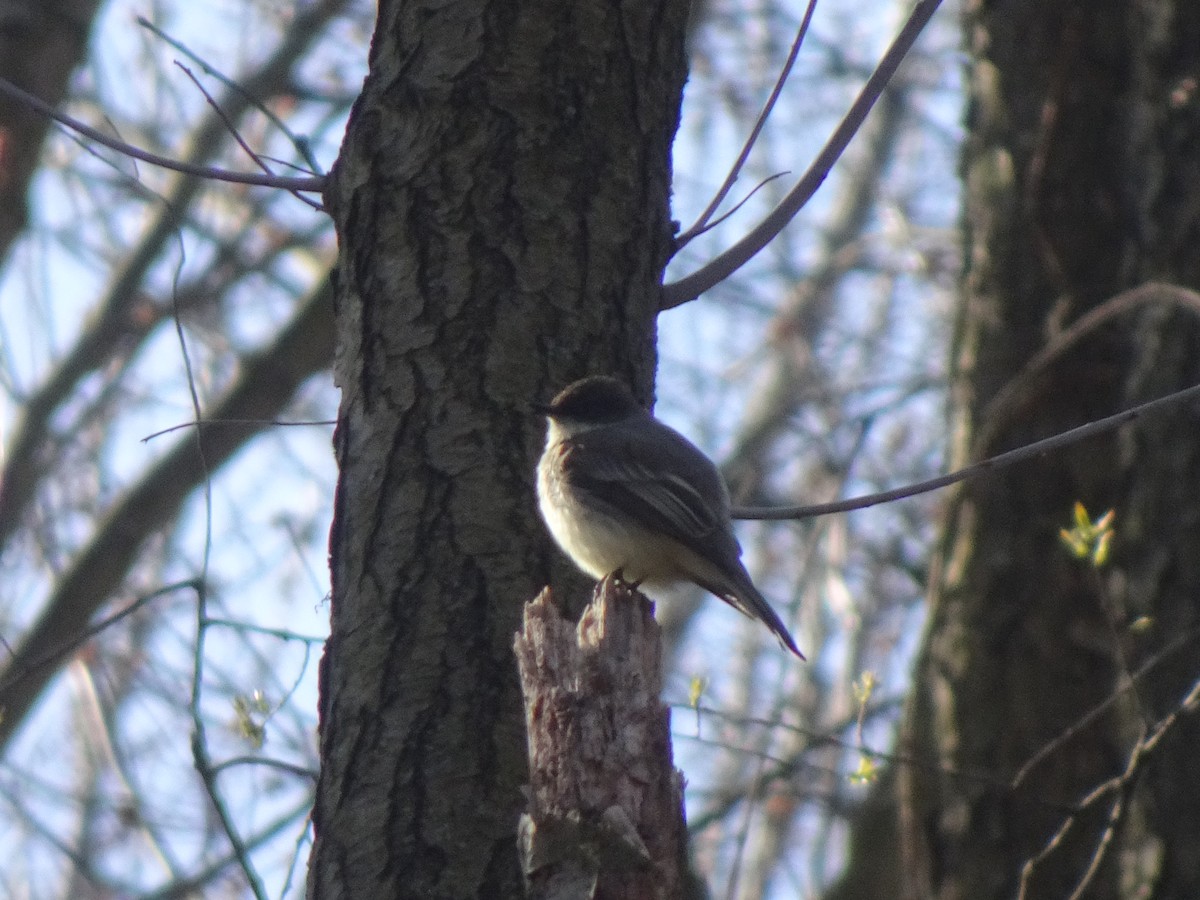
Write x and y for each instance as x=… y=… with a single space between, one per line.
x=1093 y=715
x=1150 y=293
x=209 y=423
x=302 y=146
x=1002 y=406
x=237 y=136
x=717 y=270
x=1120 y=785
x=193 y=885
x=758 y=187
x=118 y=325
x=702 y=222
x=268 y=382
x=315 y=183
x=983 y=467
x=54 y=657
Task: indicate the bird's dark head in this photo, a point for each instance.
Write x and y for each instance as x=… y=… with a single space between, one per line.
x=598 y=400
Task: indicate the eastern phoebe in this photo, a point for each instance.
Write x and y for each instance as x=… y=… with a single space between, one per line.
x=624 y=494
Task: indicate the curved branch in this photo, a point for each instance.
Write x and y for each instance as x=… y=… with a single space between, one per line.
x=266 y=386
x=116 y=324
x=308 y=183
x=717 y=270
x=983 y=467
x=704 y=222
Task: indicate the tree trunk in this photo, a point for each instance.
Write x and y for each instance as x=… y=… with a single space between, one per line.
x=1082 y=180
x=502 y=205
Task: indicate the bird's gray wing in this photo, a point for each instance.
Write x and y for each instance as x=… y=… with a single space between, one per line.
x=653 y=474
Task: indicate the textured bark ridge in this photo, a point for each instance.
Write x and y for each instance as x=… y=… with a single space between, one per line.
x=1061 y=679
x=605 y=816
x=501 y=201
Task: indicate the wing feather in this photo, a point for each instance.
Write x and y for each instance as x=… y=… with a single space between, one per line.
x=655 y=475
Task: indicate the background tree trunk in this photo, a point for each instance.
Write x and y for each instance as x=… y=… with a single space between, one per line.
x=1082 y=180
x=502 y=207
x=41 y=44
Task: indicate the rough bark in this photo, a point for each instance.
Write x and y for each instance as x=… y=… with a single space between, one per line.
x=502 y=206
x=1081 y=180
x=605 y=816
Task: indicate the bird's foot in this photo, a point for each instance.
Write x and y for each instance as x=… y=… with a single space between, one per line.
x=619 y=577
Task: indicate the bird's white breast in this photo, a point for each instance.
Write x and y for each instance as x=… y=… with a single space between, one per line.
x=596 y=542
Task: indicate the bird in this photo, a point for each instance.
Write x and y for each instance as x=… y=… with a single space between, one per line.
x=623 y=494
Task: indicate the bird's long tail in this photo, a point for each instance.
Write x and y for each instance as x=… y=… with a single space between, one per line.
x=748 y=601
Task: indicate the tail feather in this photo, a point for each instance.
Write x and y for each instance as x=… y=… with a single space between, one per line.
x=747 y=600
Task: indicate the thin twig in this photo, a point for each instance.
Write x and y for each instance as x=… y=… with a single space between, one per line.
x=302 y=145
x=277 y=764
x=257 y=423
x=280 y=633
x=201 y=758
x=718 y=269
x=975 y=470
x=1120 y=784
x=193 y=885
x=701 y=224
x=1001 y=407
x=1099 y=709
x=303 y=838
x=314 y=183
x=237 y=136
x=751 y=797
x=56 y=655
x=758 y=187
